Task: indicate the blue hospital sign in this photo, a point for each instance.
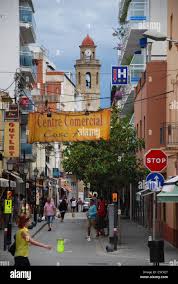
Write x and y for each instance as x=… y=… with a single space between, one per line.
x=119 y=75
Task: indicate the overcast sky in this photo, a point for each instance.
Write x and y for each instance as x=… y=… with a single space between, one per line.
x=63 y=24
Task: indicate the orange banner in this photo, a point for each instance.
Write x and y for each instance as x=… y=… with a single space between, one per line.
x=11 y=139
x=69 y=126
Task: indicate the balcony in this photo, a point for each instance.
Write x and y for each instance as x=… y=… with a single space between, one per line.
x=137 y=66
x=134 y=26
x=169 y=134
x=138 y=11
x=27 y=65
x=27 y=25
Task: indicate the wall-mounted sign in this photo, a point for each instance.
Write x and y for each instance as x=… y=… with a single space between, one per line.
x=69 y=126
x=119 y=75
x=56 y=172
x=8 y=206
x=9 y=194
x=4 y=105
x=11 y=139
x=115 y=197
x=12 y=113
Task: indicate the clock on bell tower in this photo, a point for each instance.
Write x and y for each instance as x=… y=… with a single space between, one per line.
x=88 y=75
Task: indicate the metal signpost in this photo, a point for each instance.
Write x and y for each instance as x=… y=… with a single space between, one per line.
x=156 y=161
x=154 y=182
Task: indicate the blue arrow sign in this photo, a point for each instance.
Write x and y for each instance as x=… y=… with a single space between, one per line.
x=154 y=181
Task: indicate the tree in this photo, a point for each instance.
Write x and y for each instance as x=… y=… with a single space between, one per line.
x=107 y=164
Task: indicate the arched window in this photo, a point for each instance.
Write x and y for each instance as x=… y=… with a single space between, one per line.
x=97 y=78
x=79 y=78
x=88 y=80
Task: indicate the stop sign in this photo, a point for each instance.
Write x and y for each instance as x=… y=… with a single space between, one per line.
x=155 y=160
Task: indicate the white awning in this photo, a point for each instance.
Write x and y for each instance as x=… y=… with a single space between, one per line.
x=14 y=174
x=5 y=183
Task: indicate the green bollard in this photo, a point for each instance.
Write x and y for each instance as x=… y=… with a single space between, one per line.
x=60 y=245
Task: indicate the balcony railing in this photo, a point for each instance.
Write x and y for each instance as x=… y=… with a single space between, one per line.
x=169 y=134
x=26 y=16
x=136 y=72
x=138 y=10
x=26 y=60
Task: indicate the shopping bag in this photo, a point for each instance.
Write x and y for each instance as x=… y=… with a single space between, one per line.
x=12 y=248
x=60 y=245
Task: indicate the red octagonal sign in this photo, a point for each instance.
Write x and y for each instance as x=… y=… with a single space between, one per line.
x=155 y=160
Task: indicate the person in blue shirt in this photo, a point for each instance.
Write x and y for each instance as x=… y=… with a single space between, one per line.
x=91 y=215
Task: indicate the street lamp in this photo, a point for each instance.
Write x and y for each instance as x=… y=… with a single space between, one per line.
x=157 y=37
x=24 y=171
x=35 y=173
x=7 y=218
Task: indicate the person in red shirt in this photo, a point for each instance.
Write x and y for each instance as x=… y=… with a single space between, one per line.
x=101 y=213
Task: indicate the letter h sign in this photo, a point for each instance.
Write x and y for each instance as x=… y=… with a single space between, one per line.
x=119 y=75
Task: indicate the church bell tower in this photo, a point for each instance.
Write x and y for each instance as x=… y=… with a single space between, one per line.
x=87 y=70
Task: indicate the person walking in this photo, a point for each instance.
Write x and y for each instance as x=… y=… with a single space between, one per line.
x=49 y=212
x=23 y=239
x=95 y=199
x=91 y=215
x=25 y=208
x=101 y=213
x=80 y=203
x=63 y=209
x=73 y=205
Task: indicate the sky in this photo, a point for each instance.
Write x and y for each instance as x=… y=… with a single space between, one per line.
x=63 y=24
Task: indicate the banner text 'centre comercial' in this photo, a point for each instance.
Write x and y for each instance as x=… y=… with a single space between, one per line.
x=69 y=126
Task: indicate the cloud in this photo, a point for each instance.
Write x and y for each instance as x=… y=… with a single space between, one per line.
x=63 y=24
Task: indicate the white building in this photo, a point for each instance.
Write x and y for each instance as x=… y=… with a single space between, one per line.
x=17 y=31
x=136 y=17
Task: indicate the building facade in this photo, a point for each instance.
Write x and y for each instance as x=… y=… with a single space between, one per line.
x=135 y=18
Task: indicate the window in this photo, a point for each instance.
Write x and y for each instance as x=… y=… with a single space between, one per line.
x=79 y=78
x=88 y=80
x=137 y=129
x=171 y=30
x=161 y=135
x=164 y=212
x=97 y=78
x=140 y=128
x=144 y=128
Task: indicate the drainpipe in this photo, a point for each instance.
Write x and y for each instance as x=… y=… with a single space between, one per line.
x=149 y=49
